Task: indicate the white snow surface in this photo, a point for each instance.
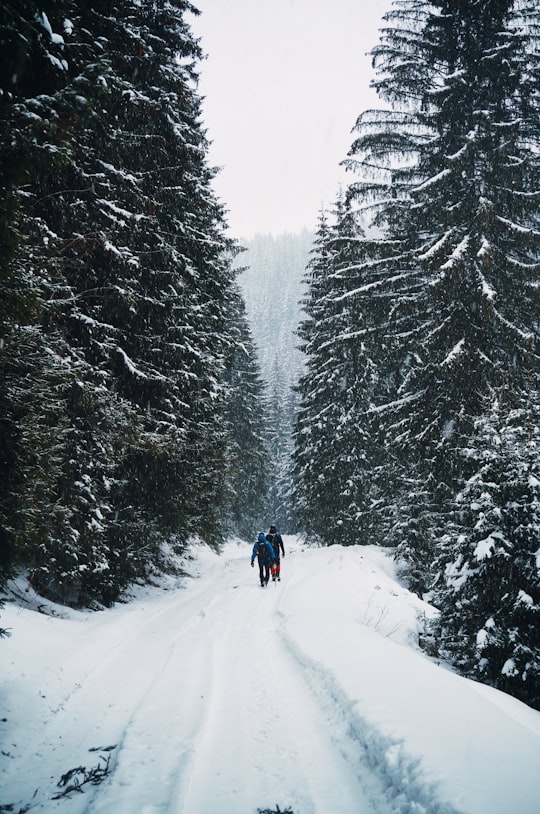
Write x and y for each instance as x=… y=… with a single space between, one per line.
x=221 y=697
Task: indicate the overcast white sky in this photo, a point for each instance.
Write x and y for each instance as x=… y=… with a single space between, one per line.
x=284 y=82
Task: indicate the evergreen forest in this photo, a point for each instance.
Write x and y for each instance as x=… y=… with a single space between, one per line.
x=131 y=416
x=418 y=424
x=154 y=390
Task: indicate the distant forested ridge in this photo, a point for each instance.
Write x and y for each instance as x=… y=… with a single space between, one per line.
x=130 y=398
x=273 y=287
x=418 y=423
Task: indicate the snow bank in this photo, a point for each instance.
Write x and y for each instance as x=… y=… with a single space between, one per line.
x=441 y=742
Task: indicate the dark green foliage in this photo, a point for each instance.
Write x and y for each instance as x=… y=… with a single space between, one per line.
x=120 y=321
x=450 y=177
x=439 y=305
x=334 y=435
x=490 y=592
x=34 y=93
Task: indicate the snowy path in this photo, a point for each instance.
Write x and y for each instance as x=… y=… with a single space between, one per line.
x=219 y=697
x=203 y=702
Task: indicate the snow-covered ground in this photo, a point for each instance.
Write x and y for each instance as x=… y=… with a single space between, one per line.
x=216 y=696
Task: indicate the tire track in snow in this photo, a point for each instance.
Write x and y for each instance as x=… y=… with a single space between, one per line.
x=392 y=779
x=123 y=687
x=158 y=743
x=264 y=740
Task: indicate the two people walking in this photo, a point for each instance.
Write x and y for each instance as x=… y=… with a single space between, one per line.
x=268 y=550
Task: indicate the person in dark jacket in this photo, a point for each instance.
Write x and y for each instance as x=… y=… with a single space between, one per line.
x=265 y=555
x=275 y=540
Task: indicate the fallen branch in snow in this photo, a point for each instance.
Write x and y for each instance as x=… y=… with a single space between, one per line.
x=75 y=779
x=275 y=810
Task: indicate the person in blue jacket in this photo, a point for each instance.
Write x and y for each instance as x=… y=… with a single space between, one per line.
x=265 y=555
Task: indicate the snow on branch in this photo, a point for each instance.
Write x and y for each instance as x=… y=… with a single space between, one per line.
x=528 y=267
x=459 y=155
x=436 y=247
x=433 y=181
x=364 y=289
x=130 y=365
x=398 y=404
x=125 y=213
x=484 y=548
x=456 y=351
x=526 y=336
x=457 y=255
x=488 y=292
x=43 y=20
x=517 y=229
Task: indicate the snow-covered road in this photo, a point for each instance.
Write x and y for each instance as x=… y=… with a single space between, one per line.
x=204 y=703
x=222 y=715
x=220 y=697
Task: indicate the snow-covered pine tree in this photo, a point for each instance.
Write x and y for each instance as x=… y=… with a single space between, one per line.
x=33 y=80
x=161 y=257
x=135 y=287
x=38 y=96
x=451 y=173
x=361 y=457
x=346 y=342
x=331 y=438
x=489 y=591
x=310 y=494
x=281 y=399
